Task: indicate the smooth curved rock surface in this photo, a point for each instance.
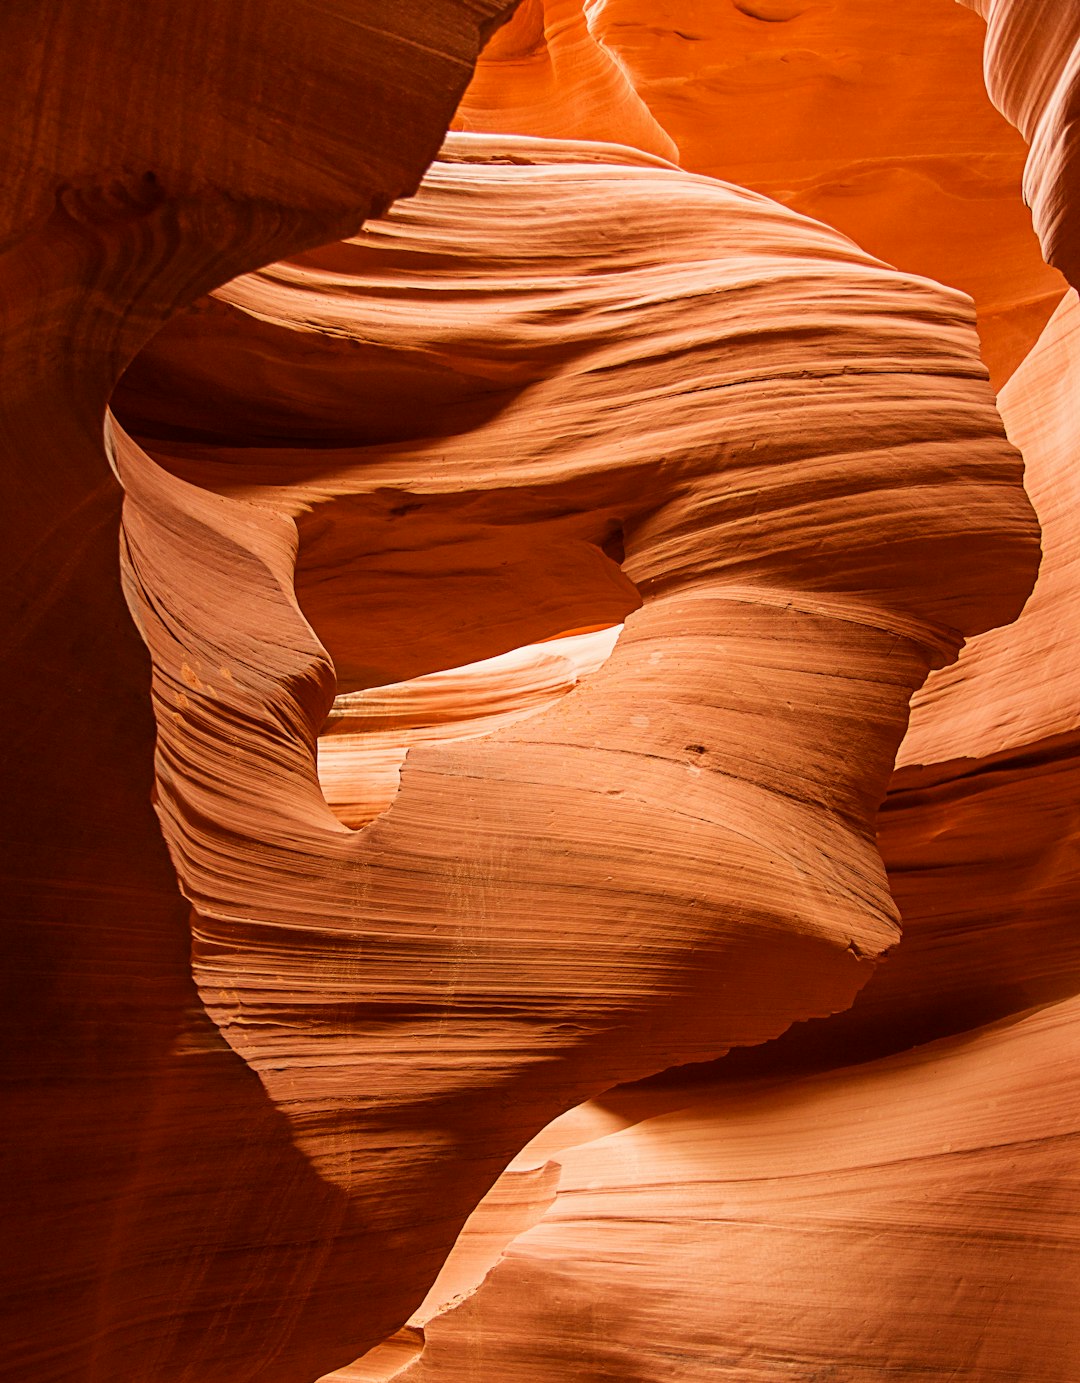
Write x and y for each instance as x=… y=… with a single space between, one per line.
x=913 y=1214
x=158 y=1220
x=912 y=1217
x=548 y=74
x=773 y=458
x=369 y=733
x=980 y=829
x=870 y=117
x=1032 y=67
x=535 y=585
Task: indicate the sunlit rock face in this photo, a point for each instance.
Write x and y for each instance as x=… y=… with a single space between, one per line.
x=891 y=1190
x=872 y=117
x=513 y=626
x=910 y=1217
x=1033 y=74
x=521 y=856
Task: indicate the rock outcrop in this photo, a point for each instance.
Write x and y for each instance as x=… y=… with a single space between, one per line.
x=160 y=1222
x=774 y=460
x=1033 y=74
x=914 y=1217
x=910 y=1212
x=513 y=624
x=870 y=117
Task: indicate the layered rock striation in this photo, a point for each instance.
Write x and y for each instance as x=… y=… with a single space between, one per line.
x=1032 y=67
x=872 y=118
x=769 y=457
x=160 y=1222
x=913 y=1216
x=530 y=589
x=912 y=1212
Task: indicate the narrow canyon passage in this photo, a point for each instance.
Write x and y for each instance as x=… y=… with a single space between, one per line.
x=543 y=844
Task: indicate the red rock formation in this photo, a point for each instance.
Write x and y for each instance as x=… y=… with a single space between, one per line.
x=162 y=1224
x=870 y=117
x=1032 y=70
x=793 y=448
x=546 y=74
x=980 y=830
x=535 y=585
x=912 y=1214
x=914 y=1217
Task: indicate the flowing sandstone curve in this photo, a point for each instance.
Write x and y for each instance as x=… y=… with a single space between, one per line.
x=1011 y=690
x=549 y=76
x=914 y=1214
x=159 y=1223
x=1032 y=67
x=980 y=829
x=870 y=117
x=773 y=457
x=914 y=1217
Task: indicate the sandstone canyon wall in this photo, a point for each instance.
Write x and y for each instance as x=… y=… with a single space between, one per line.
x=528 y=591
x=1032 y=68
x=870 y=117
x=159 y=1220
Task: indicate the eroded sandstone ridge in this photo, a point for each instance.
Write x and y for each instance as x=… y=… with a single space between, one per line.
x=160 y=1222
x=910 y=1214
x=773 y=459
x=529 y=590
x=1032 y=68
x=913 y=1216
x=868 y=116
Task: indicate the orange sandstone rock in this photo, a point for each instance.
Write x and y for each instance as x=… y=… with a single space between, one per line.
x=1032 y=67
x=980 y=830
x=773 y=459
x=870 y=117
x=547 y=73
x=159 y=1221
x=535 y=584
x=912 y=1217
